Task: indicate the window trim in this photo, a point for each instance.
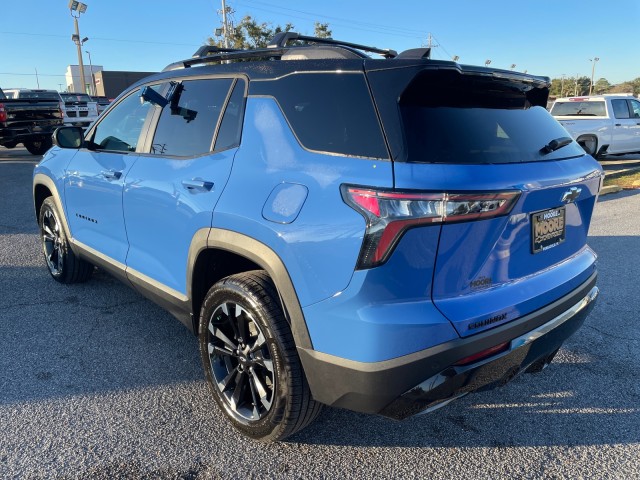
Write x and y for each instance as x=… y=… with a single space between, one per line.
x=626 y=104
x=88 y=138
x=155 y=118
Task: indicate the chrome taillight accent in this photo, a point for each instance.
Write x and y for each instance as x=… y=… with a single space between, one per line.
x=390 y=213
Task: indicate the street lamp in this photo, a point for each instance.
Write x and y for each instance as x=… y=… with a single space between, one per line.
x=93 y=82
x=562 y=84
x=455 y=58
x=513 y=65
x=487 y=63
x=79 y=8
x=593 y=69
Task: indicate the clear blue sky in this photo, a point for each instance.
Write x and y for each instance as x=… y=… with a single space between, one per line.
x=551 y=37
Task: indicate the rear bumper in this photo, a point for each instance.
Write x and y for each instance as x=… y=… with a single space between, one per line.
x=408 y=385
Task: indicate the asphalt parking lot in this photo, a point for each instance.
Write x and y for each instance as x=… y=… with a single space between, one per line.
x=97 y=382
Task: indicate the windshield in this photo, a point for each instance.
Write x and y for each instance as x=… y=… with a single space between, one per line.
x=474 y=120
x=577 y=108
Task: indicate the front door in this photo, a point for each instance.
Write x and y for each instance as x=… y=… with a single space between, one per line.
x=96 y=175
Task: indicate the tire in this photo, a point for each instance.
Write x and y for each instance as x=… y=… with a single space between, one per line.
x=38 y=147
x=589 y=144
x=250 y=359
x=64 y=266
x=10 y=145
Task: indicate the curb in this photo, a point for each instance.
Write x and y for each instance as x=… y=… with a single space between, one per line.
x=621 y=173
x=610 y=189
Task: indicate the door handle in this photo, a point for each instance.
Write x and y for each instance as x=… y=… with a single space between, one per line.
x=111 y=175
x=618 y=124
x=197 y=185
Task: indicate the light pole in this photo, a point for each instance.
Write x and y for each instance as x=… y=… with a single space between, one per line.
x=562 y=84
x=455 y=58
x=593 y=70
x=487 y=63
x=93 y=83
x=80 y=8
x=513 y=65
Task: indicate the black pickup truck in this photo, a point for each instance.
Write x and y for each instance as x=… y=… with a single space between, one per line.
x=29 y=121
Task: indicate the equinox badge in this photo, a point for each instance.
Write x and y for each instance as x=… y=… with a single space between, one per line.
x=571 y=195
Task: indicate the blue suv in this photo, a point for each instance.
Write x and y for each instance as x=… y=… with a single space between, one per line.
x=378 y=234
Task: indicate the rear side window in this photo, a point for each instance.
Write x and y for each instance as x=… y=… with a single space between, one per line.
x=329 y=112
x=453 y=118
x=620 y=108
x=579 y=109
x=187 y=123
x=231 y=125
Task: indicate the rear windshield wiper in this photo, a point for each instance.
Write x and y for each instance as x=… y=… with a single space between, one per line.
x=556 y=144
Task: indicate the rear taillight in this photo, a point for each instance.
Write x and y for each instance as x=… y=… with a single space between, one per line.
x=390 y=213
x=3 y=113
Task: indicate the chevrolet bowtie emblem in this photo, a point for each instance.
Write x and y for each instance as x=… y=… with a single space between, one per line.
x=571 y=195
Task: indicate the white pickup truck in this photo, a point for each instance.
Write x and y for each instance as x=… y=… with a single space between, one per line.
x=602 y=124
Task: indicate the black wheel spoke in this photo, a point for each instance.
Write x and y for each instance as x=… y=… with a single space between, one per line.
x=242 y=324
x=225 y=307
x=220 y=335
x=237 y=393
x=220 y=351
x=259 y=343
x=224 y=384
x=254 y=397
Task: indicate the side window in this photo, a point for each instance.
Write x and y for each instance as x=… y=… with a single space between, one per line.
x=635 y=107
x=120 y=130
x=230 y=129
x=620 y=109
x=187 y=123
x=329 y=112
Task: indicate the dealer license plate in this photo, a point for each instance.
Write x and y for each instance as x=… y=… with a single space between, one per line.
x=547 y=229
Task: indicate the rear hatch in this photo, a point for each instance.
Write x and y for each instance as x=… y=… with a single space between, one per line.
x=79 y=107
x=517 y=194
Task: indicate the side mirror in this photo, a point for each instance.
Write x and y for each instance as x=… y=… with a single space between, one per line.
x=68 y=137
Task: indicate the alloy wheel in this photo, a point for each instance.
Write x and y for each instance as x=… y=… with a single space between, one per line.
x=241 y=363
x=52 y=242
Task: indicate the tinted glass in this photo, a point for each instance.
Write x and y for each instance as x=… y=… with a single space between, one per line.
x=635 y=106
x=41 y=95
x=187 y=124
x=620 y=108
x=120 y=129
x=231 y=125
x=471 y=120
x=588 y=109
x=329 y=112
x=75 y=97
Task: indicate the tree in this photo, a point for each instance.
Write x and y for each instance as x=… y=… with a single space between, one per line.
x=249 y=33
x=601 y=86
x=321 y=30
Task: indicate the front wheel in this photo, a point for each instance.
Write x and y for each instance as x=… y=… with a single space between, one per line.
x=589 y=144
x=250 y=359
x=64 y=266
x=39 y=146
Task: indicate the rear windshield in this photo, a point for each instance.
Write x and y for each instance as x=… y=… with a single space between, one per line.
x=75 y=97
x=576 y=108
x=453 y=118
x=40 y=95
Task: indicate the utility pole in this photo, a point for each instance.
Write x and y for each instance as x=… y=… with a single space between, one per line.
x=593 y=70
x=562 y=84
x=37 y=79
x=224 y=24
x=79 y=7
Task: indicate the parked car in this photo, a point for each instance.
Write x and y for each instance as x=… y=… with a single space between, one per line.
x=602 y=124
x=102 y=103
x=28 y=117
x=384 y=235
x=79 y=109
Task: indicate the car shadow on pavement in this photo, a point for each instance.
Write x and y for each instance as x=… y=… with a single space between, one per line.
x=102 y=337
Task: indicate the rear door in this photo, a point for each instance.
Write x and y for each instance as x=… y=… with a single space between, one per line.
x=625 y=126
x=476 y=138
x=171 y=190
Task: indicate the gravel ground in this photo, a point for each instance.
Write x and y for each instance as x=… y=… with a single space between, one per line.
x=97 y=382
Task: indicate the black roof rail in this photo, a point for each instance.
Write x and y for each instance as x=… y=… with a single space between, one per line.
x=205 y=50
x=276 y=48
x=280 y=40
